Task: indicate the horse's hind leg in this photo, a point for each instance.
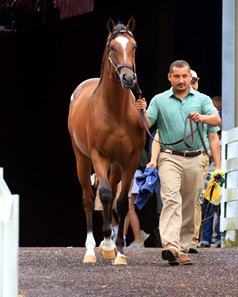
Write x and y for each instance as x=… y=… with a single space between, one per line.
x=84 y=171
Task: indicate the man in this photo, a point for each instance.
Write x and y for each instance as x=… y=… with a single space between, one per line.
x=211 y=226
x=194 y=80
x=181 y=163
x=218 y=104
x=212 y=143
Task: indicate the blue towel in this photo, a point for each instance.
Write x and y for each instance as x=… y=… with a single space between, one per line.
x=147 y=183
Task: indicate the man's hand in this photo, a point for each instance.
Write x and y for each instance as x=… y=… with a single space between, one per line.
x=141 y=104
x=196 y=117
x=152 y=163
x=212 y=119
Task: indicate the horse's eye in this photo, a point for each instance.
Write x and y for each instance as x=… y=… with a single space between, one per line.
x=112 y=48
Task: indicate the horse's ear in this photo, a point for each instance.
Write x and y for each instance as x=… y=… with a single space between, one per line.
x=110 y=25
x=131 y=24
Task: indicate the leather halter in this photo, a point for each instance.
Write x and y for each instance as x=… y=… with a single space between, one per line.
x=119 y=66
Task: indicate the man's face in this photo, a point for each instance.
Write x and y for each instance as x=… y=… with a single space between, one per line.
x=194 y=83
x=217 y=105
x=180 y=78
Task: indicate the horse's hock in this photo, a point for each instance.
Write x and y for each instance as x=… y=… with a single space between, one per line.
x=229 y=202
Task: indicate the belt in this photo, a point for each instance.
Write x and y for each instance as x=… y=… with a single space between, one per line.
x=188 y=154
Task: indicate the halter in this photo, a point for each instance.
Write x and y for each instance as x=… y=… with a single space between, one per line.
x=119 y=66
x=120 y=29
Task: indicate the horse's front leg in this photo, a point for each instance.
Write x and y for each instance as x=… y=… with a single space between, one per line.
x=107 y=246
x=122 y=210
x=123 y=207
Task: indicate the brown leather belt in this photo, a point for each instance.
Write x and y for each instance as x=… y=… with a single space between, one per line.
x=186 y=154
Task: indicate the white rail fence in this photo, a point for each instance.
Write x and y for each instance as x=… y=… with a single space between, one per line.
x=9 y=240
x=229 y=203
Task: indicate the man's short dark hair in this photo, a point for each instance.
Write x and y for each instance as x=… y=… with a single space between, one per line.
x=179 y=64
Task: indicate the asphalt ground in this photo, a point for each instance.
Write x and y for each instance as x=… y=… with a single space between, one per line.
x=59 y=272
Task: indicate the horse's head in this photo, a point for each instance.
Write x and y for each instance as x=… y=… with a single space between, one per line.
x=121 y=52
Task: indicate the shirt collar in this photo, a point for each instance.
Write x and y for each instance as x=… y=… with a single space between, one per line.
x=192 y=91
x=171 y=92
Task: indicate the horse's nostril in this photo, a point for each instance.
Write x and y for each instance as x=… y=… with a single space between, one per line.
x=128 y=82
x=129 y=78
x=134 y=78
x=125 y=77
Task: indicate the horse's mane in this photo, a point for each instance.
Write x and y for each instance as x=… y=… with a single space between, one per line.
x=119 y=28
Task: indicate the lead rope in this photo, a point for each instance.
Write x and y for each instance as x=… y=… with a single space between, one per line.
x=139 y=92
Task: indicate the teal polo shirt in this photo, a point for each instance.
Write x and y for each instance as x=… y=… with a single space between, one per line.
x=169 y=113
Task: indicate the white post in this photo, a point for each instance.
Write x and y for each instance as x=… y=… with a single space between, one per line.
x=229 y=202
x=9 y=238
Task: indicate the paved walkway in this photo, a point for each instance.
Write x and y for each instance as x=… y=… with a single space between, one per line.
x=59 y=272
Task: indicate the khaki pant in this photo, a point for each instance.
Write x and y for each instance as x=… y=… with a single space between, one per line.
x=198 y=209
x=181 y=186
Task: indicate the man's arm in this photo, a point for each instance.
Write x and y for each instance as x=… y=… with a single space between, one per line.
x=211 y=119
x=215 y=148
x=141 y=105
x=155 y=151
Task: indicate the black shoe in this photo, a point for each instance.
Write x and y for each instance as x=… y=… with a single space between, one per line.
x=193 y=250
x=171 y=256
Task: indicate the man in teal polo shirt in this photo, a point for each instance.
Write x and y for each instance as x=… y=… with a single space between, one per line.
x=181 y=163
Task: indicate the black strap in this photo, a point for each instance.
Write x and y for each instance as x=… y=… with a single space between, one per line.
x=139 y=93
x=184 y=139
x=202 y=140
x=206 y=210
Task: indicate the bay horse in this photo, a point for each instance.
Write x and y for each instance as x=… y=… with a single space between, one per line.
x=107 y=135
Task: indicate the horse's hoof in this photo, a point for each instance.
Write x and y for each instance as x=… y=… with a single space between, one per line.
x=109 y=255
x=89 y=259
x=119 y=260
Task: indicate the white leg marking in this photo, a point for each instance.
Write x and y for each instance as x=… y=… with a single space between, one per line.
x=90 y=244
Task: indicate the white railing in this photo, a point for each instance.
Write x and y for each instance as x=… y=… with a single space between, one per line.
x=229 y=203
x=9 y=240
